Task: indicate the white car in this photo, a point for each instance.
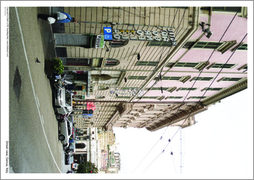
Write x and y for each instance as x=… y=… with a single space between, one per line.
x=63 y=101
x=65 y=131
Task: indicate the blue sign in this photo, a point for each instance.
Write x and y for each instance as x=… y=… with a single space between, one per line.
x=108 y=37
x=108 y=34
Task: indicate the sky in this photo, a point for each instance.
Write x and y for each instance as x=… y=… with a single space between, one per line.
x=220 y=145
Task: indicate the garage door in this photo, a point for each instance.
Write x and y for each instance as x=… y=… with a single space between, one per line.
x=72 y=39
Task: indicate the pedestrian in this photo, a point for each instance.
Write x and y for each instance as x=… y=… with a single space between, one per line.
x=60 y=17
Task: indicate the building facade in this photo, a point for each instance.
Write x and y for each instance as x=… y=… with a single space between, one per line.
x=163 y=66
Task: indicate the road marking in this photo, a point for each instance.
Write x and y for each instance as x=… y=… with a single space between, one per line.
x=37 y=99
x=42 y=119
x=34 y=91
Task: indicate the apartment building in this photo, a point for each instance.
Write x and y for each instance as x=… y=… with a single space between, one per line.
x=163 y=66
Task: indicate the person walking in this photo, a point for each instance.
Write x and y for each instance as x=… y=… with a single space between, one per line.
x=60 y=17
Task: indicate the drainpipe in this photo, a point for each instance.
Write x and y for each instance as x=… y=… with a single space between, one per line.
x=178 y=47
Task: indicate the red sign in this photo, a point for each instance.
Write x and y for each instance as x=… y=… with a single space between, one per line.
x=91 y=106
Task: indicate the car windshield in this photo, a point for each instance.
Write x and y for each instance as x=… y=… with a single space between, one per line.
x=69 y=128
x=67 y=98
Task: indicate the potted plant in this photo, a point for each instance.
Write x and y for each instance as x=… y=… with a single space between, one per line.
x=58 y=66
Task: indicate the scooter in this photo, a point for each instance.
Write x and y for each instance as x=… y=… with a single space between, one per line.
x=61 y=82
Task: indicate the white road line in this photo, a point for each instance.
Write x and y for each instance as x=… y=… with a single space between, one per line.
x=34 y=90
x=37 y=99
x=42 y=119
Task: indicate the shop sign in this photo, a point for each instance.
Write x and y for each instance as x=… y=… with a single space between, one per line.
x=140 y=35
x=90 y=106
x=99 y=43
x=108 y=36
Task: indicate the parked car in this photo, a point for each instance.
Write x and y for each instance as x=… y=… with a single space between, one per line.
x=71 y=148
x=63 y=101
x=65 y=131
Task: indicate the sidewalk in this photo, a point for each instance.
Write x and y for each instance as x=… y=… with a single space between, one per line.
x=47 y=34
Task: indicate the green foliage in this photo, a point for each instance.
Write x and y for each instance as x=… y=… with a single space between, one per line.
x=87 y=167
x=58 y=66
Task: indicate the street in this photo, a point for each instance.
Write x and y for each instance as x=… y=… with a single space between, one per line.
x=33 y=129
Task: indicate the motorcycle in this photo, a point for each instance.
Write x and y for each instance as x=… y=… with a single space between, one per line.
x=61 y=82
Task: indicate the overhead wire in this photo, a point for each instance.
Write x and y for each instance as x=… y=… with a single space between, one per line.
x=195 y=106
x=192 y=86
x=162 y=53
x=206 y=62
x=156 y=82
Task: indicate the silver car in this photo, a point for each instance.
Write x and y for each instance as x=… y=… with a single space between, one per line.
x=65 y=131
x=63 y=101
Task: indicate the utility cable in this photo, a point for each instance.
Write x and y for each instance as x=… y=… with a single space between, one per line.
x=211 y=84
x=163 y=52
x=196 y=80
x=146 y=155
x=196 y=104
x=157 y=81
x=202 y=69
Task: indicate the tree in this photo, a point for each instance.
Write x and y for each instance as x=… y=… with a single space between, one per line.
x=87 y=167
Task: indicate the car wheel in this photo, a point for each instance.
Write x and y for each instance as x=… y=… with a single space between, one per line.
x=61 y=137
x=58 y=116
x=60 y=120
x=58 y=106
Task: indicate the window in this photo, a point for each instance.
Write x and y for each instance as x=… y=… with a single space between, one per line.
x=123 y=97
x=227 y=9
x=186 y=89
x=118 y=43
x=96 y=62
x=147 y=63
x=137 y=77
x=196 y=97
x=219 y=65
x=171 y=89
x=226 y=46
x=202 y=45
x=160 y=43
x=180 y=7
x=202 y=78
x=174 y=97
x=243 y=47
x=240 y=46
x=159 y=88
x=212 y=89
x=168 y=78
x=185 y=64
x=111 y=62
x=93 y=62
x=229 y=79
x=79 y=61
x=150 y=97
x=127 y=88
x=103 y=87
x=244 y=67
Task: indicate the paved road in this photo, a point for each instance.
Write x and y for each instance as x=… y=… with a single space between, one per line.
x=33 y=129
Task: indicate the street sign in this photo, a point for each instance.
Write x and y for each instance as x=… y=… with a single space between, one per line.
x=99 y=43
x=108 y=36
